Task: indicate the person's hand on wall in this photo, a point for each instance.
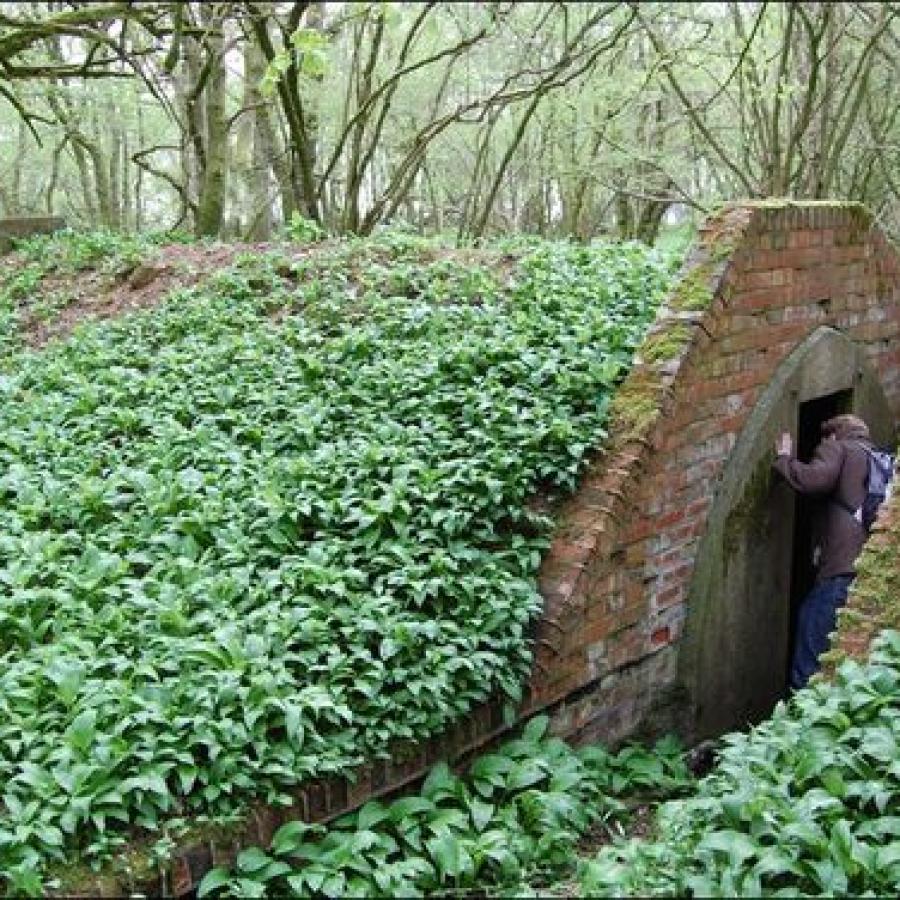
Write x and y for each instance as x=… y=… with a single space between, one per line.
x=784 y=445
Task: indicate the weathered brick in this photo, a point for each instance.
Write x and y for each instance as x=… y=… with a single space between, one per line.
x=668 y=596
x=660 y=637
x=625 y=647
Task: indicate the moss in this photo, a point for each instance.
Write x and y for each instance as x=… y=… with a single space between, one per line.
x=831 y=659
x=874 y=603
x=79 y=880
x=788 y=202
x=722 y=249
x=666 y=344
x=138 y=867
x=131 y=868
x=746 y=511
x=878 y=580
x=850 y=616
x=693 y=292
x=635 y=407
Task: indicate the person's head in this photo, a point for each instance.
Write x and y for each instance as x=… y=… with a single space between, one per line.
x=845 y=427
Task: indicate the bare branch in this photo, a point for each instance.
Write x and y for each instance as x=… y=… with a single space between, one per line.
x=688 y=108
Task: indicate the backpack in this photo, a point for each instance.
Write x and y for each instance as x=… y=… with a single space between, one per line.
x=878 y=487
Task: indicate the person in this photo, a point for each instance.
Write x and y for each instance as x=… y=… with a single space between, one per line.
x=837 y=473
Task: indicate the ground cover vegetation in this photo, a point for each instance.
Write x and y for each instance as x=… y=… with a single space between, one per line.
x=509 y=826
x=804 y=805
x=278 y=524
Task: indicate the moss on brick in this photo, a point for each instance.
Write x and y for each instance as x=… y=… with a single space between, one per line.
x=789 y=203
x=666 y=345
x=723 y=248
x=874 y=603
x=635 y=407
x=136 y=867
x=694 y=292
x=79 y=880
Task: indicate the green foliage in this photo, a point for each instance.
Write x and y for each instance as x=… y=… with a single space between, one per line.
x=511 y=824
x=303 y=230
x=73 y=251
x=241 y=552
x=309 y=57
x=676 y=239
x=311 y=47
x=804 y=805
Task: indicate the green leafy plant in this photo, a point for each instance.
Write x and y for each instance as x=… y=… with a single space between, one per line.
x=241 y=551
x=302 y=229
x=803 y=805
x=510 y=824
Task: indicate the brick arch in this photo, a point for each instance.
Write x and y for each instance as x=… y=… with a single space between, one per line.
x=618 y=579
x=733 y=659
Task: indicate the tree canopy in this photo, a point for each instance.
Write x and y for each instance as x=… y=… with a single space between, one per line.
x=233 y=118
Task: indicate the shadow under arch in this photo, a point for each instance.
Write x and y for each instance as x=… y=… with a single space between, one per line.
x=733 y=659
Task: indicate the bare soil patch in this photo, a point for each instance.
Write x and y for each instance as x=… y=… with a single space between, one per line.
x=96 y=294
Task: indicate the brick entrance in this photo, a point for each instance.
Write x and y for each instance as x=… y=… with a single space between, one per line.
x=620 y=578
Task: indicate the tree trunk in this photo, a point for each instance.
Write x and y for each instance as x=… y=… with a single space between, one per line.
x=14 y=197
x=100 y=170
x=650 y=220
x=259 y=207
x=624 y=217
x=116 y=190
x=139 y=178
x=193 y=153
x=127 y=209
x=54 y=174
x=211 y=201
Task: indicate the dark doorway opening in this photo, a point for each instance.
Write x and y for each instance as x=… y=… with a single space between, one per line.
x=811 y=415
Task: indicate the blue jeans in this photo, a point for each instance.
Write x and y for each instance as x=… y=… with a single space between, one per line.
x=816 y=621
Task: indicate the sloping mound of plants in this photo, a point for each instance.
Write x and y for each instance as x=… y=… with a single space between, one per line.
x=805 y=805
x=258 y=534
x=47 y=273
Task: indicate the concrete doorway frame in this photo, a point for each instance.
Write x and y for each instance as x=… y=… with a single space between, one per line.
x=734 y=654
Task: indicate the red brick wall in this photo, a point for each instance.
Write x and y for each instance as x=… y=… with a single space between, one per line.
x=616 y=578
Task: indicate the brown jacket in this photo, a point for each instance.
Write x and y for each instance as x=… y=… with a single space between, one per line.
x=837 y=472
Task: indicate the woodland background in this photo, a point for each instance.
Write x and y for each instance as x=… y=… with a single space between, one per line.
x=233 y=119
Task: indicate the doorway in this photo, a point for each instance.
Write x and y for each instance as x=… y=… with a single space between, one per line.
x=732 y=662
x=810 y=417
